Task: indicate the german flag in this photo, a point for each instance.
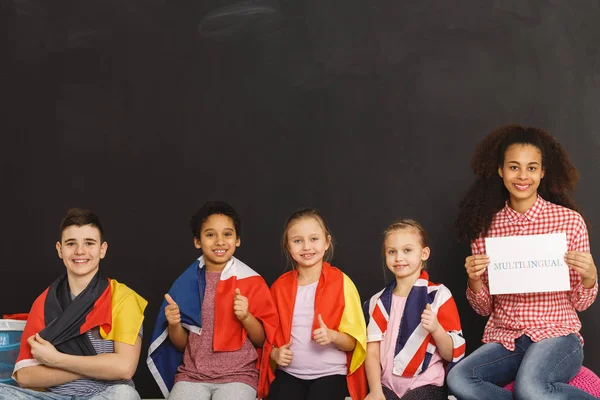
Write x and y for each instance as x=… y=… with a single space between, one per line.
x=105 y=303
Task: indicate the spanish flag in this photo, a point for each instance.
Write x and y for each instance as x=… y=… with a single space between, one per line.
x=338 y=302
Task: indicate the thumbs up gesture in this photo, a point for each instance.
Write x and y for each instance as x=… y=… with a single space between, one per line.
x=429 y=319
x=283 y=355
x=323 y=335
x=240 y=305
x=172 y=311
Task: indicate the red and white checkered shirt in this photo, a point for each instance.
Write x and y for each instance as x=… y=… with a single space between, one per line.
x=537 y=315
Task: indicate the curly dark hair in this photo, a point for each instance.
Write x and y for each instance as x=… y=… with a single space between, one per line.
x=487 y=195
x=215 y=207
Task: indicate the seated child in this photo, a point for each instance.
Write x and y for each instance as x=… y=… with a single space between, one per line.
x=414 y=329
x=83 y=335
x=320 y=344
x=216 y=315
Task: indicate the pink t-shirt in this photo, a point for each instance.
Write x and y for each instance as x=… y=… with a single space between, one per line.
x=311 y=360
x=433 y=375
x=202 y=364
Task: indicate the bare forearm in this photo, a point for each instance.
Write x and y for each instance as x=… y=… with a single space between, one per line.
x=373 y=374
x=343 y=341
x=41 y=376
x=589 y=283
x=373 y=368
x=178 y=336
x=475 y=285
x=444 y=343
x=255 y=330
x=108 y=366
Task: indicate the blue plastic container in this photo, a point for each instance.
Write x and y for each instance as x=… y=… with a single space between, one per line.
x=10 y=342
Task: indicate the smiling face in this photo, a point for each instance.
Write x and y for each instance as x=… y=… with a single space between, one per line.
x=218 y=241
x=307 y=242
x=81 y=250
x=404 y=254
x=522 y=172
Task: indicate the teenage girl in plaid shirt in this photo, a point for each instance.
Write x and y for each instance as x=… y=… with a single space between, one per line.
x=523 y=176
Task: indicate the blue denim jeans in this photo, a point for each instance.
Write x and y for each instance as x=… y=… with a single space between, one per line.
x=116 y=392
x=540 y=371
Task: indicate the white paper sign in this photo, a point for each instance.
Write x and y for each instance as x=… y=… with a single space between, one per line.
x=528 y=264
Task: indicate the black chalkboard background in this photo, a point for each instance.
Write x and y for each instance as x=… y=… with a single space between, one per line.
x=367 y=110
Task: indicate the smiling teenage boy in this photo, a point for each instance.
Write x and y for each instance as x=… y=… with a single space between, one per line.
x=83 y=334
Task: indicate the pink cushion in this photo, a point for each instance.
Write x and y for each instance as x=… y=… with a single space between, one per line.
x=585 y=380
